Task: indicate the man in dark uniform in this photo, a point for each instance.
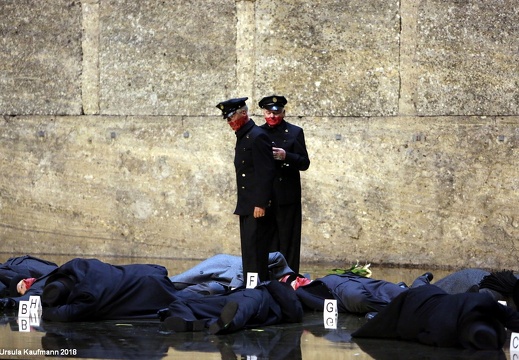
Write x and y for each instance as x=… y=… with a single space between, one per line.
x=255 y=171
x=291 y=157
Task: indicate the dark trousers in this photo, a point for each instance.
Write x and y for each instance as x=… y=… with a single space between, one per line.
x=256 y=236
x=287 y=235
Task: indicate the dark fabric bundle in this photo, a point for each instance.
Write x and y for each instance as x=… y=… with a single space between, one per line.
x=501 y=281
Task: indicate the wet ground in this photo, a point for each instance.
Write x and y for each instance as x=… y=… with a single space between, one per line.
x=144 y=339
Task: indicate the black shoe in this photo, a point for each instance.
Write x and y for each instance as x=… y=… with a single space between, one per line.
x=402 y=285
x=162 y=314
x=429 y=276
x=225 y=319
x=371 y=315
x=180 y=325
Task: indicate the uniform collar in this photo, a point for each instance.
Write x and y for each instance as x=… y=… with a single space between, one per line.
x=245 y=128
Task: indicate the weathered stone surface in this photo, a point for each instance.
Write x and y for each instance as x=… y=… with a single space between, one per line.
x=40 y=57
x=401 y=173
x=438 y=191
x=138 y=187
x=466 y=58
x=90 y=75
x=330 y=58
x=162 y=58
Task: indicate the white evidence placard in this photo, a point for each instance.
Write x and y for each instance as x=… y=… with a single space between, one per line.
x=330 y=314
x=514 y=346
x=252 y=280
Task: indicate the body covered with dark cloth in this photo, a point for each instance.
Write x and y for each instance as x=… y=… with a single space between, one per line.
x=223 y=272
x=102 y=291
x=430 y=316
x=354 y=294
x=22 y=267
x=269 y=303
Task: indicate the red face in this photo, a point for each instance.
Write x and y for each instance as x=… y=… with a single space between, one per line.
x=273 y=117
x=24 y=285
x=237 y=120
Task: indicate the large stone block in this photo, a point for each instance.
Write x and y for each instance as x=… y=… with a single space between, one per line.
x=161 y=58
x=330 y=58
x=40 y=57
x=465 y=60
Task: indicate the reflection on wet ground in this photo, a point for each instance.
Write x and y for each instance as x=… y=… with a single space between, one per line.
x=144 y=339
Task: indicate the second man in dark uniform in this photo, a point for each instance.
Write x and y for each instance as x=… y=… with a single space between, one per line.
x=289 y=151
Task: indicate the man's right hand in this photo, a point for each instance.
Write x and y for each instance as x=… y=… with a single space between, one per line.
x=259 y=212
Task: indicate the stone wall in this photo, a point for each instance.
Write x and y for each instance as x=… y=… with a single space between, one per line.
x=110 y=142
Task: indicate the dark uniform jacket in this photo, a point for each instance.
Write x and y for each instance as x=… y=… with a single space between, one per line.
x=429 y=315
x=255 y=168
x=104 y=291
x=287 y=184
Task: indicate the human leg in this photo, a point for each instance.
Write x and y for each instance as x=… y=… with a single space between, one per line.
x=288 y=220
x=254 y=234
